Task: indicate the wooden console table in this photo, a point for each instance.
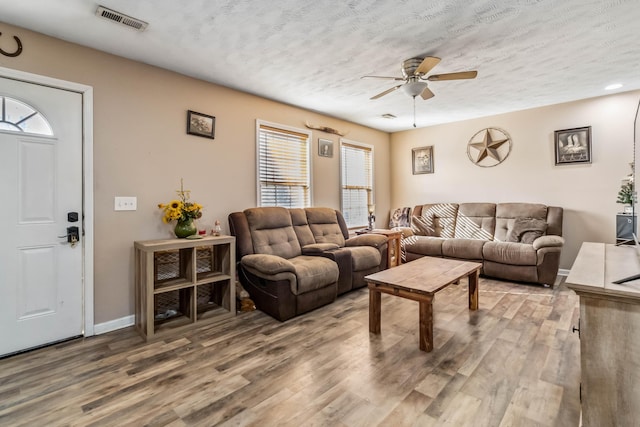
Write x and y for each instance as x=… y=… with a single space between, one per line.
x=182 y=283
x=609 y=331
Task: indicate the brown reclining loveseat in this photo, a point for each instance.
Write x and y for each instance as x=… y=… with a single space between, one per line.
x=291 y=261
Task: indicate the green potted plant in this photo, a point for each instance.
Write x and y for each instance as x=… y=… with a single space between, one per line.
x=626 y=193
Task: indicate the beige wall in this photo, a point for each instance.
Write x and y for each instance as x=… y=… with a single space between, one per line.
x=141 y=149
x=587 y=192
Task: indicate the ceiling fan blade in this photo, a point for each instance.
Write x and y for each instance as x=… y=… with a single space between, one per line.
x=382 y=77
x=426 y=93
x=453 y=76
x=426 y=65
x=380 y=95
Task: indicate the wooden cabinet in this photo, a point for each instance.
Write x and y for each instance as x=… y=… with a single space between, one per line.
x=609 y=334
x=182 y=283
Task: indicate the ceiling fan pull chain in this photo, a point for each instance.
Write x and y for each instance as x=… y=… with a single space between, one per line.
x=414 y=111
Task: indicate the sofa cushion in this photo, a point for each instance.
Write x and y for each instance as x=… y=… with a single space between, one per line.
x=272 y=232
x=422 y=226
x=476 y=221
x=301 y=226
x=526 y=230
x=314 y=272
x=463 y=248
x=506 y=213
x=364 y=257
x=423 y=245
x=268 y=264
x=442 y=217
x=400 y=217
x=324 y=226
x=510 y=253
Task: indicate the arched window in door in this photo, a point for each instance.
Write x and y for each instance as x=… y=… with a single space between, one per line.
x=16 y=116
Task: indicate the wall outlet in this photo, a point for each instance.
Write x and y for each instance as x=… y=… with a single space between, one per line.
x=125 y=204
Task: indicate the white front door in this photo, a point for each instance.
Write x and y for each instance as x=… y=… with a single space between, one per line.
x=41 y=286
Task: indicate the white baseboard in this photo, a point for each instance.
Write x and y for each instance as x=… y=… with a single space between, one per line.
x=563 y=272
x=112 y=325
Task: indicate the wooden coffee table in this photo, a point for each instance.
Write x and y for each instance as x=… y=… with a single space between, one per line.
x=419 y=280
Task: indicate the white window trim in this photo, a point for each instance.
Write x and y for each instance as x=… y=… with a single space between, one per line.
x=373 y=173
x=257 y=163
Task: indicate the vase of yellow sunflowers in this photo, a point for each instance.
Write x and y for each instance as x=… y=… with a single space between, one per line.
x=183 y=212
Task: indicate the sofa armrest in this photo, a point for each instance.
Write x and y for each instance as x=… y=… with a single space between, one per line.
x=548 y=241
x=267 y=264
x=318 y=248
x=375 y=240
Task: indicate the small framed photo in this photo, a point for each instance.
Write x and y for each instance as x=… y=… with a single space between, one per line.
x=573 y=145
x=201 y=124
x=422 y=159
x=325 y=147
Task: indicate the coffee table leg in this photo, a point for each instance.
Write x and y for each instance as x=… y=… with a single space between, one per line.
x=473 y=290
x=374 y=311
x=426 y=325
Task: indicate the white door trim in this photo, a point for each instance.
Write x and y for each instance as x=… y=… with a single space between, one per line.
x=87 y=176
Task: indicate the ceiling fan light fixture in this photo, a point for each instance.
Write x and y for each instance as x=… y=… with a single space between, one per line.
x=414 y=88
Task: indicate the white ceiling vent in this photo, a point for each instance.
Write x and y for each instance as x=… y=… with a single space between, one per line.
x=121 y=18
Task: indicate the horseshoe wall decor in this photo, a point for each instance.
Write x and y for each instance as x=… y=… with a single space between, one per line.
x=17 y=52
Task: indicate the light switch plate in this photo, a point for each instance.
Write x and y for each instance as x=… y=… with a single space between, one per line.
x=125 y=203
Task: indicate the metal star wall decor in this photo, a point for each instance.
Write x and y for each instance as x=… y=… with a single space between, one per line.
x=490 y=149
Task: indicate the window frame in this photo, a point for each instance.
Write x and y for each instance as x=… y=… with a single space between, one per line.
x=285 y=129
x=371 y=195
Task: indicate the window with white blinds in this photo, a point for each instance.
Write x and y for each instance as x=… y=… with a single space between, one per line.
x=356 y=168
x=283 y=166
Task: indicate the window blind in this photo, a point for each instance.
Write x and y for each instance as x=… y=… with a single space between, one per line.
x=283 y=167
x=356 y=167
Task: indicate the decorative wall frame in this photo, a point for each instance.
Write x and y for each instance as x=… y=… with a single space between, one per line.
x=573 y=145
x=422 y=160
x=325 y=147
x=201 y=124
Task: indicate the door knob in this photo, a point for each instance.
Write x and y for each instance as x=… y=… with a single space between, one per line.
x=73 y=235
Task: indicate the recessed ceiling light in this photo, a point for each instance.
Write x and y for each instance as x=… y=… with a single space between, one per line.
x=389 y=116
x=613 y=86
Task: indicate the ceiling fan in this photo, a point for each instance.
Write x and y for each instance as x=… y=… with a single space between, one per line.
x=414 y=72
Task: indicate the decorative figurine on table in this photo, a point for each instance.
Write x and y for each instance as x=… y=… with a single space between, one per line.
x=216 y=229
x=372 y=217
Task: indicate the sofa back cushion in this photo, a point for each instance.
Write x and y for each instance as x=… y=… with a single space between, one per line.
x=272 y=232
x=324 y=226
x=506 y=214
x=301 y=227
x=476 y=221
x=437 y=219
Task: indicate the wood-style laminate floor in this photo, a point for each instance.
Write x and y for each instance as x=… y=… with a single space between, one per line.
x=515 y=362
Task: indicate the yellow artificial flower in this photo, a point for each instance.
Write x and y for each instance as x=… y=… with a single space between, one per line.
x=182 y=209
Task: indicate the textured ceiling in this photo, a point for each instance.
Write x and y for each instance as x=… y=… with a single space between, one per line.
x=311 y=54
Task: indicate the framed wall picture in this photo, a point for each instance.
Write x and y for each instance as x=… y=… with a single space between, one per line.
x=201 y=124
x=422 y=159
x=573 y=145
x=325 y=147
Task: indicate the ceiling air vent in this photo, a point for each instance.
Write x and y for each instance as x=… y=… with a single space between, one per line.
x=121 y=18
x=389 y=116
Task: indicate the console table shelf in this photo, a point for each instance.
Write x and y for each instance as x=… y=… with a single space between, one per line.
x=181 y=283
